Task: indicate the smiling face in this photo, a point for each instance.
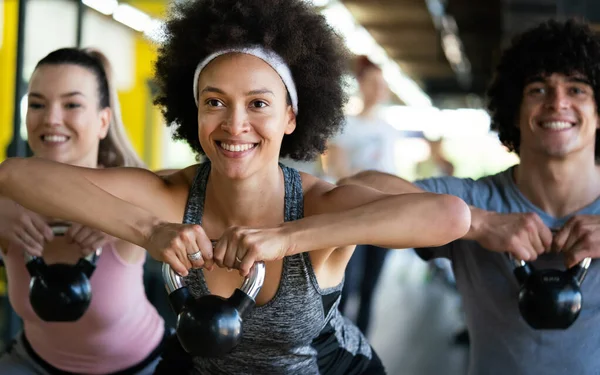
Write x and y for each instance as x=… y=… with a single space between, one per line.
x=558 y=116
x=64 y=121
x=243 y=114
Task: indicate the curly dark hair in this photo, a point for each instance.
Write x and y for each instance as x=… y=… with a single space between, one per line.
x=569 y=47
x=314 y=52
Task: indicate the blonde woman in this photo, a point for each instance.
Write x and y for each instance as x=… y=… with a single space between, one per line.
x=73 y=117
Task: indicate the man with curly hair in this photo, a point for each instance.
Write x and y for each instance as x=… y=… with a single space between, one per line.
x=246 y=82
x=544 y=102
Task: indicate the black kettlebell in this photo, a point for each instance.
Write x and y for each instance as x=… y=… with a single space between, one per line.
x=550 y=298
x=211 y=326
x=60 y=292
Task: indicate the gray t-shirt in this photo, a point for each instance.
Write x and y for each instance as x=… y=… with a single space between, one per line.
x=501 y=342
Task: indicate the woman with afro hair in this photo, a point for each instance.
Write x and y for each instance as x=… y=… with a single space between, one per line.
x=246 y=82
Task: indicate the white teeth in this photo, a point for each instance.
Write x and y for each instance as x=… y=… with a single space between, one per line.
x=556 y=125
x=236 y=148
x=54 y=138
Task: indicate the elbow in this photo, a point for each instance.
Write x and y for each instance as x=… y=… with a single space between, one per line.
x=457 y=215
x=8 y=168
x=5 y=167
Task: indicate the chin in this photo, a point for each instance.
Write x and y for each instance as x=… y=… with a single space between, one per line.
x=558 y=153
x=234 y=172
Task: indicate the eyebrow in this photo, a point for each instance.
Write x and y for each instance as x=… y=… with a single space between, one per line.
x=66 y=95
x=249 y=93
x=579 y=80
x=572 y=79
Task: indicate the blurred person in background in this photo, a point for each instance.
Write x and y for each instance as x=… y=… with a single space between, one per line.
x=366 y=143
x=436 y=165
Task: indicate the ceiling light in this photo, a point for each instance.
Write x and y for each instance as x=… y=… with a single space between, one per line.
x=133 y=17
x=106 y=7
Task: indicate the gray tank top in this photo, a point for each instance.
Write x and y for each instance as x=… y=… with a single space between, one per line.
x=300 y=331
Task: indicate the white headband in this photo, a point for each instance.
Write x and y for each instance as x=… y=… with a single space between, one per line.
x=268 y=56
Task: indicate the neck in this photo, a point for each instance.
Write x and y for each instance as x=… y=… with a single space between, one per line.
x=369 y=111
x=242 y=202
x=438 y=157
x=90 y=160
x=559 y=186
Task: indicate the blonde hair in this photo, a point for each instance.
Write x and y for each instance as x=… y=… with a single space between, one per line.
x=115 y=149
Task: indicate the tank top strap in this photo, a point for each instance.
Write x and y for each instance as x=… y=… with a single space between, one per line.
x=195 y=202
x=193 y=215
x=294 y=195
x=294 y=267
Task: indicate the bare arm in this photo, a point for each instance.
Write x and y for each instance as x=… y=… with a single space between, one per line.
x=355 y=214
x=391 y=184
x=384 y=182
x=522 y=234
x=123 y=202
x=166 y=172
x=338 y=217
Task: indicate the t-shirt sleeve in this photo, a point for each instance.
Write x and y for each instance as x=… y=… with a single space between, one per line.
x=460 y=187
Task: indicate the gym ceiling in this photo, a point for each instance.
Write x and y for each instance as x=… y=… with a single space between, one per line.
x=448 y=47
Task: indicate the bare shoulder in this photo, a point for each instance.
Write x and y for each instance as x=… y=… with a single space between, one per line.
x=321 y=196
x=182 y=178
x=160 y=193
x=312 y=184
x=314 y=189
x=133 y=180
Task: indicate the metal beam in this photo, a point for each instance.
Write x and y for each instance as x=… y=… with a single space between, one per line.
x=79 y=29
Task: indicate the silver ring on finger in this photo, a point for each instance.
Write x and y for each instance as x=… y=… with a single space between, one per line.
x=195 y=256
x=238 y=260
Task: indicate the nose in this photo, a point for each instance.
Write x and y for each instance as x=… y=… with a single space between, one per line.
x=52 y=115
x=558 y=99
x=237 y=121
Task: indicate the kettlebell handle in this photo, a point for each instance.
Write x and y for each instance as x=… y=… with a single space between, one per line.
x=60 y=229
x=251 y=285
x=172 y=280
x=578 y=271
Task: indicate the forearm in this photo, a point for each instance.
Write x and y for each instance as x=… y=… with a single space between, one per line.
x=58 y=191
x=383 y=182
x=391 y=184
x=477 y=219
x=401 y=221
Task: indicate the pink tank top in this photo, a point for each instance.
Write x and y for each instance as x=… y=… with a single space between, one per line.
x=120 y=328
